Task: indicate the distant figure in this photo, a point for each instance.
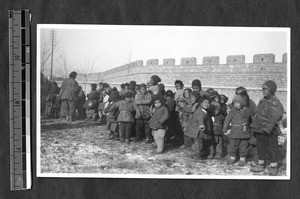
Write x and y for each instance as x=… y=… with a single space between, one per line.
x=51 y=100
x=68 y=95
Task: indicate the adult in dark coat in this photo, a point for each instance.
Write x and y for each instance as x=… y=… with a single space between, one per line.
x=69 y=96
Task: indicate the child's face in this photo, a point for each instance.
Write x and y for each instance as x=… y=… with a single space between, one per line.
x=128 y=99
x=205 y=104
x=222 y=100
x=217 y=110
x=126 y=88
x=193 y=99
x=237 y=105
x=196 y=88
x=266 y=92
x=143 y=90
x=151 y=82
x=178 y=87
x=186 y=94
x=157 y=104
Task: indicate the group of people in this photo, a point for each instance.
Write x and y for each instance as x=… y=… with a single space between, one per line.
x=194 y=119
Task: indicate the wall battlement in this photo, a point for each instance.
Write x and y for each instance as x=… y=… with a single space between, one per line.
x=212 y=74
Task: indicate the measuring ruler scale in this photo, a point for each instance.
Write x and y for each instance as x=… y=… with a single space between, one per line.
x=19 y=98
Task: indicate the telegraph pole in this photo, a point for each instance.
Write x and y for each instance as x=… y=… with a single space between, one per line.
x=52 y=41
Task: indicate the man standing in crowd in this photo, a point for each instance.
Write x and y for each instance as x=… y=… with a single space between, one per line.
x=68 y=96
x=265 y=126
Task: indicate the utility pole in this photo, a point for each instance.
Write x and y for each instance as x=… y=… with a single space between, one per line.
x=52 y=41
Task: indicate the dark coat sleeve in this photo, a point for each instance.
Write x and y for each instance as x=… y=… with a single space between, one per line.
x=165 y=116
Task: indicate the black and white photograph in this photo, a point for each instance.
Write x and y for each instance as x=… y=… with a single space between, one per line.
x=173 y=102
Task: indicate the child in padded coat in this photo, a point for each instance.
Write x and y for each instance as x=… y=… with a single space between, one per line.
x=157 y=121
x=218 y=121
x=112 y=116
x=199 y=128
x=187 y=112
x=236 y=127
x=126 y=116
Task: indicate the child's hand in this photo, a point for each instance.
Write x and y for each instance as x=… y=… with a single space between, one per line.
x=227 y=132
x=202 y=127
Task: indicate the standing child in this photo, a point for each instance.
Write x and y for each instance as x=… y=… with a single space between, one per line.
x=218 y=121
x=91 y=104
x=143 y=101
x=112 y=116
x=157 y=121
x=199 y=128
x=179 y=90
x=188 y=111
x=126 y=116
x=236 y=127
x=153 y=84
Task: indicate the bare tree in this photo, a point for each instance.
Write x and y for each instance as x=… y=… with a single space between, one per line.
x=63 y=67
x=86 y=69
x=45 y=57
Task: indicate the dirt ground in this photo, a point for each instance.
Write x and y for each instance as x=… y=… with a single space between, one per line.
x=83 y=147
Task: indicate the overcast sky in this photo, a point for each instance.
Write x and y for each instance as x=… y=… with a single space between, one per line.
x=112 y=46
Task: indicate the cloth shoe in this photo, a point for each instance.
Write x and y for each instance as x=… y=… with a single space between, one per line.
x=258 y=168
x=242 y=163
x=231 y=160
x=273 y=171
x=127 y=141
x=218 y=156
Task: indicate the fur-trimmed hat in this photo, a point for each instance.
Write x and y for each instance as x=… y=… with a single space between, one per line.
x=242 y=100
x=271 y=85
x=155 y=79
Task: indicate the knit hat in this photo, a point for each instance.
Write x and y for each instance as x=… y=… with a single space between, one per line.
x=155 y=79
x=196 y=82
x=128 y=94
x=242 y=100
x=114 y=96
x=159 y=97
x=196 y=94
x=271 y=85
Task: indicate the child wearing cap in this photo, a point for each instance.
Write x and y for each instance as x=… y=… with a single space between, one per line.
x=171 y=123
x=199 y=128
x=157 y=121
x=265 y=127
x=128 y=112
x=143 y=100
x=236 y=127
x=112 y=116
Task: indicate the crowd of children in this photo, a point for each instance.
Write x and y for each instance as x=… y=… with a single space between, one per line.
x=191 y=118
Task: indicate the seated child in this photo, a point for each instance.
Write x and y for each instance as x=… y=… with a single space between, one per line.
x=157 y=121
x=236 y=127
